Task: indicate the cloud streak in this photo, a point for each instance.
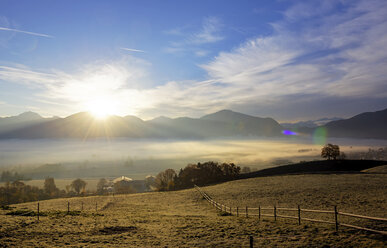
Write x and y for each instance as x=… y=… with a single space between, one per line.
x=132 y=50
x=26 y=32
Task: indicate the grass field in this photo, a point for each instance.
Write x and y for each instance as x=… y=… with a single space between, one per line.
x=185 y=219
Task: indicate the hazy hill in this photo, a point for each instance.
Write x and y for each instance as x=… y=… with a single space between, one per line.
x=23 y=120
x=224 y=123
x=365 y=125
x=246 y=124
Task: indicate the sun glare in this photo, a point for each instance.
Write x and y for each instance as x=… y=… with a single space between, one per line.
x=101 y=108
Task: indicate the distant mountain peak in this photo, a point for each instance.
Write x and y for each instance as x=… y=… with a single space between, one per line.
x=30 y=115
x=225 y=111
x=161 y=118
x=227 y=115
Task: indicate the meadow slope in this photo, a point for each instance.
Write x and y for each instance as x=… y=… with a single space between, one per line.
x=185 y=219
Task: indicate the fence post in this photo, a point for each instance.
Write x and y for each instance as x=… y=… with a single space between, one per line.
x=230 y=211
x=251 y=242
x=96 y=207
x=38 y=211
x=275 y=213
x=68 y=207
x=81 y=206
x=259 y=212
x=336 y=222
x=247 y=212
x=299 y=215
x=237 y=211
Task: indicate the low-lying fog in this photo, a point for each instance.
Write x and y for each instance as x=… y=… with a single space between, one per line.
x=136 y=159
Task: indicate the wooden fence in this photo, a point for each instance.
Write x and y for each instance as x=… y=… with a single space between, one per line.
x=69 y=209
x=262 y=212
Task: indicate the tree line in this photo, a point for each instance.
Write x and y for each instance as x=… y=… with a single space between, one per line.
x=9 y=176
x=196 y=174
x=18 y=192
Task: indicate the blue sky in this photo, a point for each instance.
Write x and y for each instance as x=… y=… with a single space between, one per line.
x=291 y=60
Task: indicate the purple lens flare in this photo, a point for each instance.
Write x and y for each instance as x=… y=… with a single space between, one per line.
x=288 y=132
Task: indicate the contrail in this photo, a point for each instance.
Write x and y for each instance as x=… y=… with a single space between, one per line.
x=26 y=32
x=132 y=50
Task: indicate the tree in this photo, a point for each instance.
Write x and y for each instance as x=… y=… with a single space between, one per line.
x=78 y=185
x=100 y=185
x=165 y=180
x=50 y=187
x=245 y=169
x=230 y=171
x=330 y=151
x=150 y=182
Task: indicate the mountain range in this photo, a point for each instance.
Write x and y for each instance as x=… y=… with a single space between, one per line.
x=225 y=123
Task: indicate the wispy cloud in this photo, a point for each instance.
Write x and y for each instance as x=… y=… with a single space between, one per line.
x=191 y=40
x=132 y=50
x=24 y=75
x=209 y=33
x=26 y=32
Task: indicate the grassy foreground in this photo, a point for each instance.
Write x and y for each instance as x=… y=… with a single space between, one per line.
x=185 y=219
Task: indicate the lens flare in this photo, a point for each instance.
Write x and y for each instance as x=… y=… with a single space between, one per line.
x=288 y=132
x=320 y=136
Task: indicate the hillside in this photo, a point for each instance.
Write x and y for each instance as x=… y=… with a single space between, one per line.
x=245 y=124
x=371 y=125
x=185 y=219
x=25 y=119
x=323 y=166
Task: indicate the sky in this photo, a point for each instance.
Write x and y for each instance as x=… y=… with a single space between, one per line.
x=290 y=60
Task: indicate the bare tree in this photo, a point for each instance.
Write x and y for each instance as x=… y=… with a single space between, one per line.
x=100 y=185
x=165 y=180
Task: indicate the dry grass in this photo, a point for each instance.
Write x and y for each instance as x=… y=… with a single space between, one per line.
x=185 y=219
x=378 y=169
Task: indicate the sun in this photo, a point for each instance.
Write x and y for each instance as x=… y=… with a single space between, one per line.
x=101 y=108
